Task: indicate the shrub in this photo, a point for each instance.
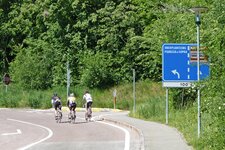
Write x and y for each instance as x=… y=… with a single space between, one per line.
x=97 y=71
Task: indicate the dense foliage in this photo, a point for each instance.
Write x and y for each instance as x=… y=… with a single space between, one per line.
x=103 y=40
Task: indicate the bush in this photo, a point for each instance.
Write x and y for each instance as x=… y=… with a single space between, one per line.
x=97 y=71
x=183 y=98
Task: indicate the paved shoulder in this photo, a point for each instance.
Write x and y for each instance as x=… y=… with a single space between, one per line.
x=156 y=136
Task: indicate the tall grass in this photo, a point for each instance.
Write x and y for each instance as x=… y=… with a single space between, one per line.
x=16 y=97
x=145 y=92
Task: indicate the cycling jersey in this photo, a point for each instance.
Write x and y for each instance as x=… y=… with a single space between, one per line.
x=55 y=99
x=71 y=100
x=87 y=97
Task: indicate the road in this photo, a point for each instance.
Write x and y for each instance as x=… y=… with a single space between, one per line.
x=36 y=129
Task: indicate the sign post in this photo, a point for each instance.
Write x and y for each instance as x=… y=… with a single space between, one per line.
x=68 y=79
x=167 y=105
x=6 y=81
x=197 y=11
x=134 y=92
x=114 y=96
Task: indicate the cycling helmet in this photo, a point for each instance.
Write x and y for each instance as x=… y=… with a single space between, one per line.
x=86 y=91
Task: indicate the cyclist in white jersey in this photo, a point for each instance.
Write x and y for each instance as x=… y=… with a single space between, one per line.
x=87 y=97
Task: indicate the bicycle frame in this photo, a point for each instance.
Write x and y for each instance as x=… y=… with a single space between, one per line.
x=58 y=115
x=88 y=114
x=72 y=116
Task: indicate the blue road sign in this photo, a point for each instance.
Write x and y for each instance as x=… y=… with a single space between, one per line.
x=177 y=65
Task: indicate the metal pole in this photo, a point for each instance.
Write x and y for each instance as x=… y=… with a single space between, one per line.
x=114 y=100
x=198 y=72
x=167 y=104
x=68 y=79
x=197 y=11
x=134 y=96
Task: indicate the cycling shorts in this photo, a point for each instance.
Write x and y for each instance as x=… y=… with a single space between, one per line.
x=72 y=106
x=89 y=104
x=57 y=104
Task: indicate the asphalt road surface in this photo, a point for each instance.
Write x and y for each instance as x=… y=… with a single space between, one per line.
x=37 y=129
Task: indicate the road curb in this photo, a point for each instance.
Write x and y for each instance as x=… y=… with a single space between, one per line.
x=142 y=144
x=182 y=137
x=81 y=109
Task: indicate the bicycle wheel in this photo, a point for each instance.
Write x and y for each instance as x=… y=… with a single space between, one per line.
x=57 y=117
x=86 y=116
x=73 y=117
x=60 y=116
x=69 y=117
x=89 y=113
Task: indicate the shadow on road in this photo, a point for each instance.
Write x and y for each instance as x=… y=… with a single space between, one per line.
x=80 y=122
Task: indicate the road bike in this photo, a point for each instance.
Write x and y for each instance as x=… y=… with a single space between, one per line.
x=58 y=115
x=88 y=114
x=72 y=116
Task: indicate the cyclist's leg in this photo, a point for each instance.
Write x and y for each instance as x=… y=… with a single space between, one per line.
x=70 y=108
x=74 y=106
x=55 y=106
x=73 y=111
x=89 y=106
x=88 y=109
x=69 y=115
x=60 y=108
x=86 y=106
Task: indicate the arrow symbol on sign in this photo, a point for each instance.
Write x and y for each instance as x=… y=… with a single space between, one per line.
x=18 y=132
x=175 y=72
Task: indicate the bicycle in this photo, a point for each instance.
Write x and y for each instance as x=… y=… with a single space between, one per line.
x=88 y=114
x=58 y=115
x=72 y=116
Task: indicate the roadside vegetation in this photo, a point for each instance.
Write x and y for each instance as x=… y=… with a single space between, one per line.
x=102 y=41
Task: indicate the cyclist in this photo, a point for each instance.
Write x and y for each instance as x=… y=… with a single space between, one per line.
x=71 y=102
x=56 y=103
x=87 y=97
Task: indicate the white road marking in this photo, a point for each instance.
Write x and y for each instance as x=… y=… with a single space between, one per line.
x=127 y=134
x=18 y=131
x=50 y=133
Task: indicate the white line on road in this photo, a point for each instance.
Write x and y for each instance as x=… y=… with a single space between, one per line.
x=50 y=133
x=18 y=131
x=127 y=134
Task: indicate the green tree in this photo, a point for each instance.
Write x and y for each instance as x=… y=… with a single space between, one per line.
x=96 y=70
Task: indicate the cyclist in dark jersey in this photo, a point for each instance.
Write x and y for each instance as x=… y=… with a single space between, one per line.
x=56 y=102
